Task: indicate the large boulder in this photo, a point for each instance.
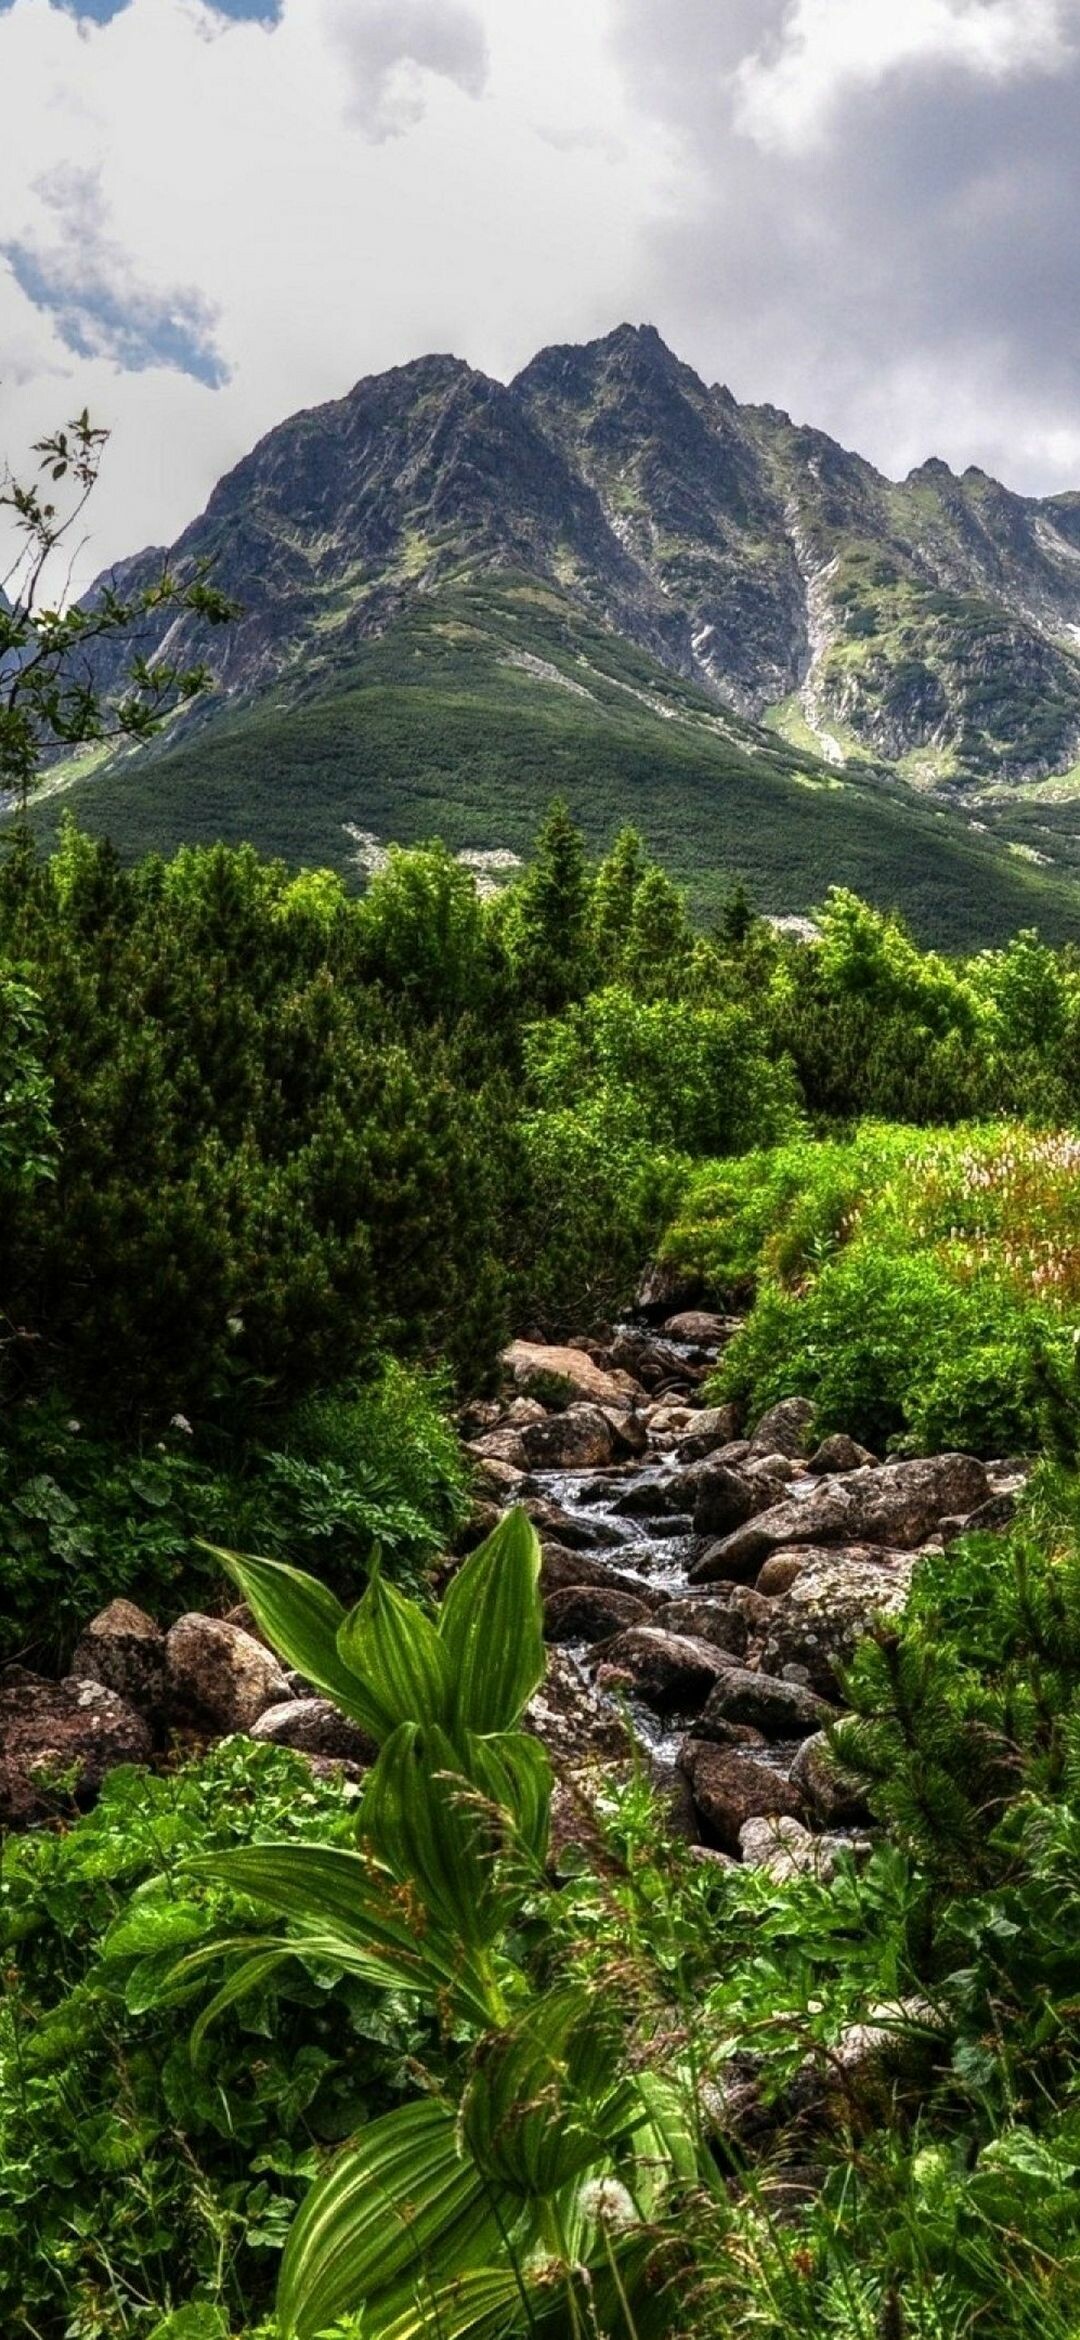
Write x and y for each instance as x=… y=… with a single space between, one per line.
x=778 y=1709
x=315 y=1726
x=124 y=1649
x=577 y=1727
x=669 y=1671
x=591 y=1612
x=896 y=1505
x=57 y=1742
x=731 y=1785
x=818 y=1623
x=537 y=1368
x=581 y=1439
x=219 y=1676
x=786 y=1428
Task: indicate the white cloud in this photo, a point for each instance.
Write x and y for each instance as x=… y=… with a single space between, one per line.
x=392 y=46
x=860 y=209
x=257 y=165
x=824 y=50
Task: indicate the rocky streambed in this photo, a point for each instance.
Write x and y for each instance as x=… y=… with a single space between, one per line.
x=704 y=1583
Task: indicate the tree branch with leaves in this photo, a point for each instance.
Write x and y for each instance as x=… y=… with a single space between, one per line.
x=50 y=695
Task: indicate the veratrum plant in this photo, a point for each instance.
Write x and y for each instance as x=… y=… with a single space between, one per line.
x=521 y=2194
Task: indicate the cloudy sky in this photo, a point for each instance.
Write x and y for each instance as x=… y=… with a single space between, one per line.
x=865 y=211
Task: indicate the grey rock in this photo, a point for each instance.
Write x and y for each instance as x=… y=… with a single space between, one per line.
x=897 y=1504
x=780 y=1846
x=786 y=1428
x=729 y=1621
x=577 y=1727
x=732 y=1785
x=777 y=1708
x=535 y=1366
x=124 y=1649
x=670 y=1671
x=218 y=1675
x=834 y=1797
x=707 y=1429
x=665 y=1288
x=819 y=1622
x=700 y=1328
x=581 y=1439
x=591 y=1612
x=561 y=1569
x=315 y=1726
x=840 y=1453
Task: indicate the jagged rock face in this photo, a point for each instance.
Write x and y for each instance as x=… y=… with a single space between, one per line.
x=936 y=620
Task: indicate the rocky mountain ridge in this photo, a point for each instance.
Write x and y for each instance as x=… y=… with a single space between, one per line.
x=933 y=624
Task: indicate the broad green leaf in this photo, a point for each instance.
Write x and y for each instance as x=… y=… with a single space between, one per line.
x=492 y=1628
x=549 y=2098
x=433 y=1828
x=477 y=2305
x=515 y=1772
x=392 y=1648
x=401 y=2212
x=367 y=1919
x=301 y=1619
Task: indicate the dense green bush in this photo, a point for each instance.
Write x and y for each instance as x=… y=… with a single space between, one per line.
x=84 y=1519
x=134 y=2178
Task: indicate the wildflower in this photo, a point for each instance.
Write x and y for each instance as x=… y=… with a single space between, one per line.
x=609 y=2203
x=180 y=1422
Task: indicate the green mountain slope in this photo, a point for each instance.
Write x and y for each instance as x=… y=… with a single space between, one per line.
x=483 y=700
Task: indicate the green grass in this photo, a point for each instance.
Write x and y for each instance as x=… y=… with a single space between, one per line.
x=430 y=730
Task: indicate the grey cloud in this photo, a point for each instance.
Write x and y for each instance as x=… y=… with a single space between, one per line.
x=390 y=44
x=918 y=267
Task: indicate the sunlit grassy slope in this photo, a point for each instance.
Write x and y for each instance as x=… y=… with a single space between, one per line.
x=483 y=702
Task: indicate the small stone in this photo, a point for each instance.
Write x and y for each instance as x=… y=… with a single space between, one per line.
x=779 y=1573
x=840 y=1453
x=315 y=1726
